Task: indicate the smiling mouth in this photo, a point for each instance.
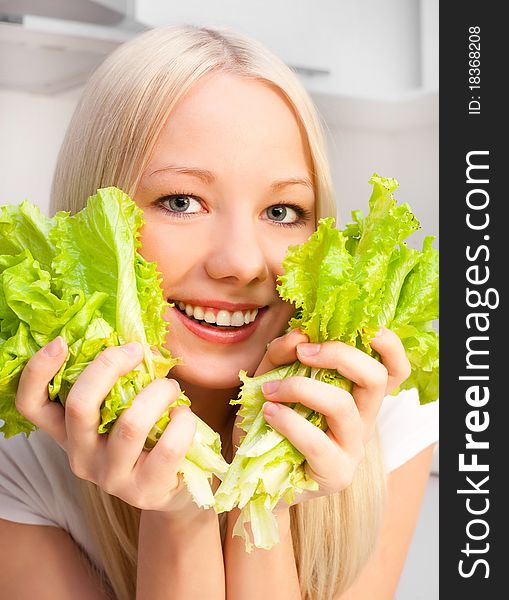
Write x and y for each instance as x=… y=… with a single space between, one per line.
x=219 y=319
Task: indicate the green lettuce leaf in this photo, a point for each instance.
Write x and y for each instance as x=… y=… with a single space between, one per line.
x=24 y=226
x=14 y=354
x=81 y=277
x=344 y=285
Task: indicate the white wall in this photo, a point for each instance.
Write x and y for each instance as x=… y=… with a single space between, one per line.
x=410 y=156
x=371 y=48
x=429 y=16
x=31 y=128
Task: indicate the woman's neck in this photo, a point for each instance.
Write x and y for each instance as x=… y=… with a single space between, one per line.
x=213 y=406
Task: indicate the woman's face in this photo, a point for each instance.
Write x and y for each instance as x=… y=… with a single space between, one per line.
x=226 y=191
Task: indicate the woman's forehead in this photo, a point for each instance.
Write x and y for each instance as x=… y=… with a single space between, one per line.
x=232 y=119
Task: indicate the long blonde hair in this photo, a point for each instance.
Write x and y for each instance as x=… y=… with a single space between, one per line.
x=109 y=141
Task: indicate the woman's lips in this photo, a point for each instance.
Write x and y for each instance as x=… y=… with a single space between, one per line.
x=230 y=335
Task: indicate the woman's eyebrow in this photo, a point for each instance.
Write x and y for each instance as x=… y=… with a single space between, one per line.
x=209 y=177
x=203 y=174
x=282 y=183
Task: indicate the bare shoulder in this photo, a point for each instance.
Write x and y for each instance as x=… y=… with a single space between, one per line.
x=45 y=563
x=406 y=486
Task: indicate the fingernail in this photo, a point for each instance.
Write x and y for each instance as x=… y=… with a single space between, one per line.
x=269 y=387
x=308 y=349
x=175 y=384
x=54 y=347
x=380 y=332
x=133 y=348
x=270 y=408
x=182 y=408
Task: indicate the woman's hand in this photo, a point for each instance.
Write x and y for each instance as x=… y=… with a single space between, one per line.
x=116 y=462
x=332 y=456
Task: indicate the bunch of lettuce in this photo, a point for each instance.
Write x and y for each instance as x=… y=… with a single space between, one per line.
x=344 y=284
x=81 y=277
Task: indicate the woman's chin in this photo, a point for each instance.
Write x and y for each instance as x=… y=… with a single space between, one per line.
x=225 y=378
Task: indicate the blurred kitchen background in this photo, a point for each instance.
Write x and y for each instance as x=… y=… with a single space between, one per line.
x=370 y=66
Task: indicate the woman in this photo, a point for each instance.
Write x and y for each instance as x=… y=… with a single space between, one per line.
x=217 y=142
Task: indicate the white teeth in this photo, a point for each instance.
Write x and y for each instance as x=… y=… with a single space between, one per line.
x=237 y=319
x=198 y=312
x=250 y=316
x=223 y=318
x=210 y=317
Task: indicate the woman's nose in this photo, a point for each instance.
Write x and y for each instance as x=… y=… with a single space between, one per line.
x=236 y=254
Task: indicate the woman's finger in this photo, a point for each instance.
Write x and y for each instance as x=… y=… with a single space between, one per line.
x=393 y=357
x=368 y=375
x=336 y=404
x=87 y=394
x=320 y=452
x=281 y=351
x=129 y=433
x=166 y=457
x=32 y=399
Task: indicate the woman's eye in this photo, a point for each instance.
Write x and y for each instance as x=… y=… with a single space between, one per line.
x=181 y=203
x=282 y=213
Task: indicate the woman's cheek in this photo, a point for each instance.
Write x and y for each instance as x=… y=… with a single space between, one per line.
x=171 y=255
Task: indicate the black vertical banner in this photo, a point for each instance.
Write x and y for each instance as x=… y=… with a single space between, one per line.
x=474 y=331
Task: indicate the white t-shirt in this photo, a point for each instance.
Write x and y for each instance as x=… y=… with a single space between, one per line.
x=37 y=486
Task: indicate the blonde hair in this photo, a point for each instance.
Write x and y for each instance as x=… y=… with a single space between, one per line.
x=109 y=141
